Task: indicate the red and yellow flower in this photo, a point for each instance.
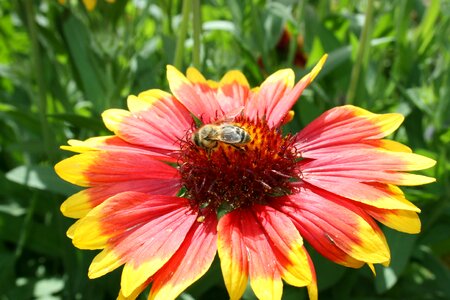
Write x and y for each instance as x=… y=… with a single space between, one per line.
x=162 y=206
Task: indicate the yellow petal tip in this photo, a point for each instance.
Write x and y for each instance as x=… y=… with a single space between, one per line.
x=318 y=67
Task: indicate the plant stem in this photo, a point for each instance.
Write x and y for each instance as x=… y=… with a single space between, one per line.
x=197 y=27
x=24 y=232
x=179 y=51
x=362 y=55
x=39 y=77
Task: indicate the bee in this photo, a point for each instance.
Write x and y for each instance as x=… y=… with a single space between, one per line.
x=208 y=136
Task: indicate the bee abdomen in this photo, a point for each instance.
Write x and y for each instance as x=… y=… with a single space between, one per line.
x=234 y=135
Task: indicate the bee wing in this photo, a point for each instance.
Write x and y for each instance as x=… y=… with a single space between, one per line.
x=230 y=134
x=235 y=112
x=231 y=115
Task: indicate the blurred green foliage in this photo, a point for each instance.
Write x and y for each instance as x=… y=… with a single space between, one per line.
x=61 y=66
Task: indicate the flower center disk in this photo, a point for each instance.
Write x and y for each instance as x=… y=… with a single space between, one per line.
x=232 y=176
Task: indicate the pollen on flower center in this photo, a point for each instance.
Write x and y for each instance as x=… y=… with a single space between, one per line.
x=229 y=176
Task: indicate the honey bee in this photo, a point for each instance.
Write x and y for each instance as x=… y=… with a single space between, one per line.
x=208 y=136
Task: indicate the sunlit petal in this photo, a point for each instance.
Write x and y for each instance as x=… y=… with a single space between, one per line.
x=189 y=263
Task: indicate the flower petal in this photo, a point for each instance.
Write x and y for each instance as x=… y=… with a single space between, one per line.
x=104 y=167
x=156 y=119
x=233 y=91
x=105 y=262
x=374 y=194
x=401 y=220
x=114 y=143
x=310 y=231
x=388 y=145
x=195 y=94
x=373 y=145
x=141 y=230
x=233 y=255
x=79 y=204
x=344 y=125
x=368 y=159
x=151 y=247
x=279 y=231
x=189 y=263
x=135 y=293
x=265 y=277
x=277 y=112
x=366 y=165
x=287 y=245
x=337 y=222
x=313 y=292
x=272 y=90
x=194 y=76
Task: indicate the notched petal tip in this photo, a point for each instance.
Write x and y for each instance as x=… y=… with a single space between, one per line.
x=388 y=123
x=136 y=104
x=89 y=235
x=400 y=220
x=171 y=68
x=77 y=205
x=105 y=262
x=71 y=230
x=195 y=76
x=175 y=78
x=113 y=117
x=153 y=94
x=267 y=288
x=233 y=258
x=234 y=76
x=134 y=276
x=146 y=100
x=285 y=77
x=71 y=170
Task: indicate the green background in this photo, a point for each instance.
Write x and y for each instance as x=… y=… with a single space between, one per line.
x=61 y=66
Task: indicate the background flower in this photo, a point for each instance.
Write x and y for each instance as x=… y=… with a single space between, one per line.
x=88 y=4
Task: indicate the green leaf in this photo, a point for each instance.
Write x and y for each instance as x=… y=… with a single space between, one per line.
x=445 y=137
x=83 y=58
x=38 y=237
x=42 y=178
x=328 y=272
x=7 y=275
x=428 y=24
x=91 y=123
x=47 y=286
x=401 y=246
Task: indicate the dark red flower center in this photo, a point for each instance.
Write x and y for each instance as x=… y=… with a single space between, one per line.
x=229 y=176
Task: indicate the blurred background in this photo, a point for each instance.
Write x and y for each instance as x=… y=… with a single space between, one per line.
x=63 y=62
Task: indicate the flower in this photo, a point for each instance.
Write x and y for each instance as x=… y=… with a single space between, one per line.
x=88 y=4
x=208 y=170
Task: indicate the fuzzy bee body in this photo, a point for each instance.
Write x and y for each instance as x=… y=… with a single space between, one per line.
x=208 y=136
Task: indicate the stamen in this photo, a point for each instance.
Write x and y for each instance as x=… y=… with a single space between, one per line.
x=281 y=174
x=236 y=175
x=268 y=187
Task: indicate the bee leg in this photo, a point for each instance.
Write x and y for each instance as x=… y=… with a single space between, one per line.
x=240 y=148
x=208 y=153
